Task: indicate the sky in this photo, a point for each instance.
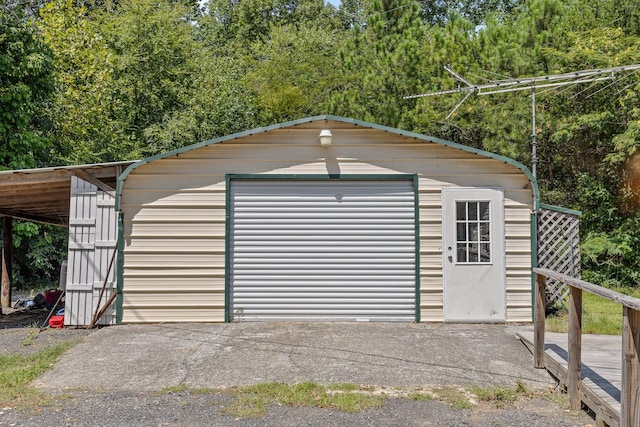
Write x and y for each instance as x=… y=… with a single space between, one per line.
x=336 y=3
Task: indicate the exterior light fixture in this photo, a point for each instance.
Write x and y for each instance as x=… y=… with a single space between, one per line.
x=325 y=137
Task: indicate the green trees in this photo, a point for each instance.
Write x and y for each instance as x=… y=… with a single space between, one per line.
x=25 y=85
x=151 y=45
x=286 y=51
x=123 y=70
x=475 y=11
x=38 y=251
x=592 y=139
x=83 y=129
x=291 y=74
x=381 y=63
x=113 y=80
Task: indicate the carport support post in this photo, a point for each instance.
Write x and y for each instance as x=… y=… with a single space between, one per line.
x=7 y=245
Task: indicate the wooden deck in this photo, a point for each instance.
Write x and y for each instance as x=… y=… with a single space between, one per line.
x=601 y=370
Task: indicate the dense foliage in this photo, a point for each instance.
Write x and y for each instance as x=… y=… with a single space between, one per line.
x=25 y=83
x=89 y=81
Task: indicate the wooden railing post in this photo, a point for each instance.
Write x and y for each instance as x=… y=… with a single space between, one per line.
x=630 y=393
x=574 y=371
x=538 y=326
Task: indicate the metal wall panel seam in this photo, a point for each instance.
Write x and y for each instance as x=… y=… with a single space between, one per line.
x=227 y=256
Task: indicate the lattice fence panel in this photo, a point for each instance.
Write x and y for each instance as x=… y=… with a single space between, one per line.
x=558 y=250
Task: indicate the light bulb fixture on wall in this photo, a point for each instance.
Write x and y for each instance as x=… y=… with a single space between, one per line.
x=325 y=137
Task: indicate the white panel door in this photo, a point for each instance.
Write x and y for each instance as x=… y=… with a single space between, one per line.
x=322 y=250
x=474 y=258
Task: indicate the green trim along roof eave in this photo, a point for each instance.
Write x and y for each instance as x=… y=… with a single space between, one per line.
x=560 y=209
x=523 y=168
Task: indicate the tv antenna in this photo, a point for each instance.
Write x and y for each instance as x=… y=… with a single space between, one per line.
x=527 y=83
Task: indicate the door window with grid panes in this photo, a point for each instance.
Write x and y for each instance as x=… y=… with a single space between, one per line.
x=473 y=235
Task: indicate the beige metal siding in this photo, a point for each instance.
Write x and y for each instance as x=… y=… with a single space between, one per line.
x=174 y=213
x=174 y=249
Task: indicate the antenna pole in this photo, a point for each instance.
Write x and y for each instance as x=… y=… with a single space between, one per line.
x=512 y=85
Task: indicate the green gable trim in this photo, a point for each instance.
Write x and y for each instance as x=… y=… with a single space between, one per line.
x=416 y=230
x=120 y=268
x=293 y=123
x=227 y=250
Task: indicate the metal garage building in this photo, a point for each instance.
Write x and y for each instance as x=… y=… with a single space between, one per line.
x=376 y=224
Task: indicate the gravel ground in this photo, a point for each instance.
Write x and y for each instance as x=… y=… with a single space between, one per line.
x=183 y=409
x=130 y=408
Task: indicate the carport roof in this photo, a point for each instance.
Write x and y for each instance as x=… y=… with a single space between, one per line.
x=42 y=195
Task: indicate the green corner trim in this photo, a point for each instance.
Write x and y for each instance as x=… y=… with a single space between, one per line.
x=119 y=267
x=227 y=251
x=534 y=260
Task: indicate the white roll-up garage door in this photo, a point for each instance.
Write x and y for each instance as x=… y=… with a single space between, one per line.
x=322 y=250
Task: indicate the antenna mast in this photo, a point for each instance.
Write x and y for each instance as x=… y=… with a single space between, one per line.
x=528 y=83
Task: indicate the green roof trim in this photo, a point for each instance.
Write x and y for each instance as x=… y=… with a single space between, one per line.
x=293 y=123
x=560 y=209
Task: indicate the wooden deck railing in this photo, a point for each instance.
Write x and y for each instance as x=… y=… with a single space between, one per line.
x=630 y=393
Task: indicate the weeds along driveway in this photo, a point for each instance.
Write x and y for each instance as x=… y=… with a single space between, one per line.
x=153 y=357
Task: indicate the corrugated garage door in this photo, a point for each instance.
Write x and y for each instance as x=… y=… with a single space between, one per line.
x=322 y=250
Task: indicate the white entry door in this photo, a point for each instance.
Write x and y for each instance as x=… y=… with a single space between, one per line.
x=474 y=258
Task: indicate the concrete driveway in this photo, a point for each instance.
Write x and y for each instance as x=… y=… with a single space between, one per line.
x=152 y=357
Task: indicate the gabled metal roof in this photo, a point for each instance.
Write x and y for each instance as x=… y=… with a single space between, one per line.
x=426 y=138
x=42 y=195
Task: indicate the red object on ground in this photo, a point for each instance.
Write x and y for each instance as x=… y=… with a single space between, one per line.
x=51 y=296
x=56 y=322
